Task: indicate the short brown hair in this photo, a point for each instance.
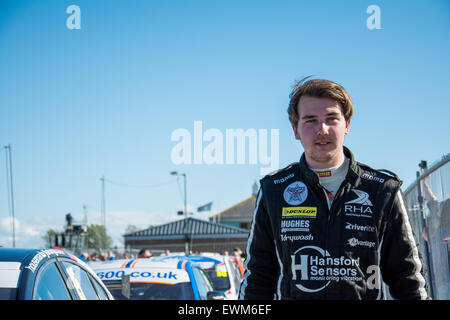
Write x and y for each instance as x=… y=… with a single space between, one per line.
x=319 y=88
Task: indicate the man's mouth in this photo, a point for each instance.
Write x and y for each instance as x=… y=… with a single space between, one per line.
x=322 y=143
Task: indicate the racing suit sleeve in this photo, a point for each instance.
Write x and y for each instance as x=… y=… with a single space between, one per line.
x=400 y=261
x=261 y=266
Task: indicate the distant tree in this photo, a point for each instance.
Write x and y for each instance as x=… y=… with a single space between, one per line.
x=98 y=238
x=131 y=228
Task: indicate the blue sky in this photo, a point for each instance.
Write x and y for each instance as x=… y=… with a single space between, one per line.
x=105 y=99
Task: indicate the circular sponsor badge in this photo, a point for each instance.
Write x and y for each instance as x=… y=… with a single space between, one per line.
x=295 y=193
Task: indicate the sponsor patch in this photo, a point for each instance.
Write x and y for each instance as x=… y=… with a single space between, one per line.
x=324 y=173
x=283 y=179
x=356 y=227
x=308 y=237
x=313 y=269
x=295 y=193
x=359 y=207
x=373 y=178
x=353 y=242
x=363 y=198
x=310 y=212
x=294 y=225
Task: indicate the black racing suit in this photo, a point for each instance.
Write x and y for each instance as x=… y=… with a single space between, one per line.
x=301 y=247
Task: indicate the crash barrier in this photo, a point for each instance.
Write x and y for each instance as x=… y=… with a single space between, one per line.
x=428 y=203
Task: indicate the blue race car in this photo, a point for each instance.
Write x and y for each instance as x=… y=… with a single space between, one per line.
x=51 y=274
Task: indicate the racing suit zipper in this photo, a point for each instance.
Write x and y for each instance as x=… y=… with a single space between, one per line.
x=338 y=194
x=331 y=209
x=328 y=202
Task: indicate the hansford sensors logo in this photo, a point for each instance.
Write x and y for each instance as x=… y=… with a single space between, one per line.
x=313 y=269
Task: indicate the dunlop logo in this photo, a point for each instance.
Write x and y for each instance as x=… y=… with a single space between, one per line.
x=310 y=212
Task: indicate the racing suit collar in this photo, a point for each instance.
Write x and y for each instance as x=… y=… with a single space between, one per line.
x=353 y=174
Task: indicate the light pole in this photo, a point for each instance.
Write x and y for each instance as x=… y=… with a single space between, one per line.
x=103 y=202
x=186 y=243
x=10 y=191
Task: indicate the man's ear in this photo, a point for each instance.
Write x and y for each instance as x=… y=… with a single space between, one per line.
x=347 y=126
x=296 y=133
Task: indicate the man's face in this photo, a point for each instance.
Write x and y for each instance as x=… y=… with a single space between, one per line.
x=321 y=128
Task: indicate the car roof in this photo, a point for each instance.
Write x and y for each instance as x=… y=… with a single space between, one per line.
x=16 y=254
x=197 y=258
x=137 y=263
x=14 y=260
x=31 y=258
x=204 y=261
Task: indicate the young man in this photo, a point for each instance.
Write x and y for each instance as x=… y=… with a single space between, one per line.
x=328 y=227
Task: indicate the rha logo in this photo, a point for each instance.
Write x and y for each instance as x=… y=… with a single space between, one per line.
x=359 y=207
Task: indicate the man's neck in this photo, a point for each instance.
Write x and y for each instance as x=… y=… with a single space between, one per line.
x=333 y=163
x=332 y=178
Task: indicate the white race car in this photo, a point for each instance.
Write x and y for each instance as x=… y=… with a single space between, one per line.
x=223 y=272
x=147 y=279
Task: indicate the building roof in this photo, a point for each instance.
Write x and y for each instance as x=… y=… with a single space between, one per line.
x=243 y=209
x=197 y=229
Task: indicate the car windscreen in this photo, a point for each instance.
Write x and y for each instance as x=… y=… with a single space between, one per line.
x=152 y=291
x=219 y=279
x=8 y=293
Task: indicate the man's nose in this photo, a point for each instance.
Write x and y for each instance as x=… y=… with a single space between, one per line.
x=322 y=129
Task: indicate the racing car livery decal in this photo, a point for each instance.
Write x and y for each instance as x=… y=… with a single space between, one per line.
x=143 y=275
x=40 y=256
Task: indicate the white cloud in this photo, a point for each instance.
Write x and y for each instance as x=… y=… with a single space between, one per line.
x=28 y=232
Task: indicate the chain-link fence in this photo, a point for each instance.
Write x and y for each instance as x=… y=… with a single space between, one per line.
x=428 y=204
